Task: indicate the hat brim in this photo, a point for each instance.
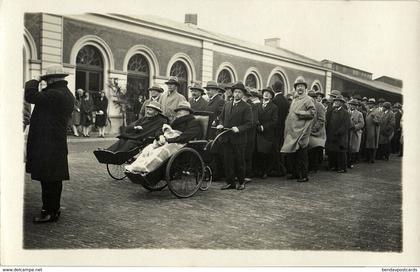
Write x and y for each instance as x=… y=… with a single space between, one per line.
x=214 y=88
x=155 y=108
x=268 y=91
x=198 y=89
x=54 y=75
x=172 y=82
x=156 y=89
x=306 y=85
x=339 y=99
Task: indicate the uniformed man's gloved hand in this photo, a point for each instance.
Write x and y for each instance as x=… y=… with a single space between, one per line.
x=235 y=129
x=219 y=127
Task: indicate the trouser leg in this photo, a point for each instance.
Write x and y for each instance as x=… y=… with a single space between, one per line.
x=302 y=162
x=341 y=161
x=239 y=158
x=229 y=163
x=51 y=195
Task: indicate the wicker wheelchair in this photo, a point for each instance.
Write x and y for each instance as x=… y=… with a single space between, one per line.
x=187 y=170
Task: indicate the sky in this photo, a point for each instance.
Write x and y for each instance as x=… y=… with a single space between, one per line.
x=367 y=35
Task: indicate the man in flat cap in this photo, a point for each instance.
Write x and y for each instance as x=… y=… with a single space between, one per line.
x=236 y=115
x=171 y=99
x=154 y=95
x=198 y=103
x=47 y=138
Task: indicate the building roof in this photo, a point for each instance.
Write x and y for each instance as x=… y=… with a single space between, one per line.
x=221 y=38
x=378 y=85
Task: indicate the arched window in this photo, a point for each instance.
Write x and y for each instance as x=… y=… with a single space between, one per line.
x=89 y=70
x=224 y=77
x=276 y=77
x=251 y=81
x=179 y=70
x=138 y=76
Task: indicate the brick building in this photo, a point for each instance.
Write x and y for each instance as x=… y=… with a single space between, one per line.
x=136 y=52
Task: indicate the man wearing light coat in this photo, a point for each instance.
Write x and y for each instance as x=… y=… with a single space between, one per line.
x=356 y=131
x=298 y=129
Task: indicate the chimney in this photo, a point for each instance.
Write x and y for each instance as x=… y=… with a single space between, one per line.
x=191 y=19
x=272 y=42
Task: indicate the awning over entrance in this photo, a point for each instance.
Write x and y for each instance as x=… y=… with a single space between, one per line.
x=372 y=87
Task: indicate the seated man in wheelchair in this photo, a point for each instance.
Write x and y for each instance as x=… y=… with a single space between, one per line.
x=172 y=138
x=137 y=132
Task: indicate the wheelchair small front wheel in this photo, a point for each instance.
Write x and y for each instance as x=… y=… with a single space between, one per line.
x=116 y=171
x=207 y=179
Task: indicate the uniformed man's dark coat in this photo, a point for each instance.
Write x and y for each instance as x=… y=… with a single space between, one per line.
x=47 y=138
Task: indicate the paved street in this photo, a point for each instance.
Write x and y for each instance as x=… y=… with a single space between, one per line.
x=360 y=210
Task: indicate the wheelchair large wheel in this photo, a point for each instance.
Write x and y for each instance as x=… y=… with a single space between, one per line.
x=207 y=179
x=185 y=172
x=116 y=171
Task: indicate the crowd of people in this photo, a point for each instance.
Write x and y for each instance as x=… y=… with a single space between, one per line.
x=277 y=135
x=270 y=133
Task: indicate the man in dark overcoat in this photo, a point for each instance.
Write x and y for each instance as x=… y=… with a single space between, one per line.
x=197 y=102
x=215 y=106
x=137 y=132
x=216 y=101
x=283 y=106
x=47 y=138
x=386 y=131
x=395 y=142
x=338 y=128
x=266 y=132
x=252 y=100
x=237 y=116
x=333 y=94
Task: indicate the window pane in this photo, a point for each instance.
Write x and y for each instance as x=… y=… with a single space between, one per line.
x=138 y=64
x=89 y=56
x=275 y=78
x=179 y=70
x=251 y=81
x=81 y=80
x=224 y=77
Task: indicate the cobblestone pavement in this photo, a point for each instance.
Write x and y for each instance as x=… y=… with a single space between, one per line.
x=359 y=210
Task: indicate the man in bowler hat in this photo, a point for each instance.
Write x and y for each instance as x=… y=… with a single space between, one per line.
x=47 y=138
x=237 y=116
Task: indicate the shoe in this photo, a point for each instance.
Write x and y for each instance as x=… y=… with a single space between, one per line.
x=76 y=135
x=46 y=217
x=351 y=166
x=247 y=180
x=264 y=176
x=241 y=187
x=341 y=171
x=302 y=180
x=228 y=187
